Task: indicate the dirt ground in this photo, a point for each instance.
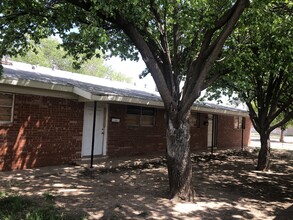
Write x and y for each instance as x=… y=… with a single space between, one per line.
x=227 y=187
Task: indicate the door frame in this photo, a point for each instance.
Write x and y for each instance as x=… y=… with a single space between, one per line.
x=213 y=126
x=105 y=129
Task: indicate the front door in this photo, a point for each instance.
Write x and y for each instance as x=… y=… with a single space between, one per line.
x=88 y=129
x=210 y=130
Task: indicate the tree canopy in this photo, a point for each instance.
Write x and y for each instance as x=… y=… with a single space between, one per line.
x=169 y=35
x=48 y=53
x=257 y=62
x=178 y=41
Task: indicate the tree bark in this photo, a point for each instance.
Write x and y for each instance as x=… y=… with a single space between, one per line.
x=264 y=155
x=178 y=160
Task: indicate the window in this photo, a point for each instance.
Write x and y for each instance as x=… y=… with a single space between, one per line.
x=6 y=107
x=194 y=120
x=237 y=122
x=140 y=116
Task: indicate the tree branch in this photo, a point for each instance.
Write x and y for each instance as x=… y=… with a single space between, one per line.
x=200 y=72
x=253 y=116
x=287 y=118
x=165 y=52
x=281 y=109
x=143 y=47
x=278 y=89
x=148 y=58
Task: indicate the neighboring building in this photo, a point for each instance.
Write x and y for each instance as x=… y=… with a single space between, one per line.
x=46 y=118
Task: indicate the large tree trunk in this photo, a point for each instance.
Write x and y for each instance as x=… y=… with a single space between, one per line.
x=178 y=160
x=264 y=153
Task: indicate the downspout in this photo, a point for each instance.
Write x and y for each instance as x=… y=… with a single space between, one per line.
x=214 y=133
x=212 y=147
x=93 y=135
x=242 y=134
x=103 y=129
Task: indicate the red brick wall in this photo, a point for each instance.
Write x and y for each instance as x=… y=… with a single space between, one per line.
x=228 y=136
x=45 y=131
x=198 y=136
x=124 y=140
x=48 y=131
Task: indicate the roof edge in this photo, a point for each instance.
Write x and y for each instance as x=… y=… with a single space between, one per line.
x=36 y=84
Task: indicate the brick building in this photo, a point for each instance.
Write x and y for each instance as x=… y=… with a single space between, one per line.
x=47 y=118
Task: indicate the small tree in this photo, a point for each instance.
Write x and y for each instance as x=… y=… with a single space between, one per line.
x=283 y=127
x=261 y=52
x=178 y=40
x=48 y=53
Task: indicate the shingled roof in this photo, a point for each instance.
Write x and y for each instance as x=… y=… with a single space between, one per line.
x=90 y=88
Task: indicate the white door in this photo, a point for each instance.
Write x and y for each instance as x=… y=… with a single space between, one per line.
x=88 y=130
x=210 y=130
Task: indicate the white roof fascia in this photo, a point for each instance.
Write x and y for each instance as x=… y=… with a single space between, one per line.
x=36 y=84
x=159 y=104
x=128 y=100
x=219 y=111
x=82 y=93
x=36 y=88
x=36 y=91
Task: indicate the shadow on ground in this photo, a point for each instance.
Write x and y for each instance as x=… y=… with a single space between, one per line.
x=284 y=214
x=227 y=187
x=231 y=179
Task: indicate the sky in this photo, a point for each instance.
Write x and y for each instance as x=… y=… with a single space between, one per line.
x=132 y=69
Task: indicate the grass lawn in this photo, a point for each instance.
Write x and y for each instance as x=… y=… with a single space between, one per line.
x=16 y=207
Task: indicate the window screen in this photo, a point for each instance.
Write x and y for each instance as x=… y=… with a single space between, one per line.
x=140 y=116
x=6 y=107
